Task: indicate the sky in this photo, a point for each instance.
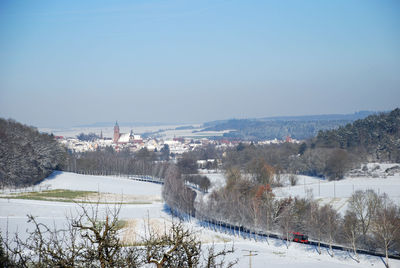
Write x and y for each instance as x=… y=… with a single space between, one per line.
x=67 y=63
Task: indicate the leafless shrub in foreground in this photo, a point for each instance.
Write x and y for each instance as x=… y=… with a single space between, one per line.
x=92 y=239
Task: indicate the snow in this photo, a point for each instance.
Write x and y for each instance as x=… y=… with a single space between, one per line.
x=337 y=193
x=277 y=255
x=13 y=212
x=124 y=137
x=105 y=184
x=217 y=180
x=273 y=254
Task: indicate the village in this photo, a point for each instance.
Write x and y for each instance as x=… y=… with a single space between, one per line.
x=176 y=145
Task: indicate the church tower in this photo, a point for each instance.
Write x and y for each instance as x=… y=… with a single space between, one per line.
x=116 y=132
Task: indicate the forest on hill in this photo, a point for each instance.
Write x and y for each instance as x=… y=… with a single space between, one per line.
x=26 y=155
x=377 y=136
x=268 y=128
x=331 y=153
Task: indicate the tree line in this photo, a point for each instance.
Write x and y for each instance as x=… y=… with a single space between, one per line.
x=110 y=162
x=376 y=137
x=255 y=130
x=26 y=155
x=87 y=137
x=331 y=163
x=371 y=222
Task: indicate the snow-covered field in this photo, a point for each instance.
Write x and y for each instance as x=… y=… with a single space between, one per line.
x=275 y=254
x=13 y=212
x=217 y=180
x=109 y=184
x=337 y=193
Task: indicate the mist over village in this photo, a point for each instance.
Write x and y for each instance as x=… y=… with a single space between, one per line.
x=200 y=134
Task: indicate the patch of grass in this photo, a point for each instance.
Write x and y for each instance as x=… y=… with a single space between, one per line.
x=223 y=239
x=61 y=195
x=67 y=194
x=279 y=253
x=53 y=195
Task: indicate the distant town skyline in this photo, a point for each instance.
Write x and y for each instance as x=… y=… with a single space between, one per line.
x=70 y=63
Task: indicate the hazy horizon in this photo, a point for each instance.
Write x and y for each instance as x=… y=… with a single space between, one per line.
x=107 y=124
x=65 y=64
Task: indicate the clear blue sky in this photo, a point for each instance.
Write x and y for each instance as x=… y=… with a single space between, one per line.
x=65 y=63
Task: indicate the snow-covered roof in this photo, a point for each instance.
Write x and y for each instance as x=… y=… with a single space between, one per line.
x=171 y=142
x=124 y=137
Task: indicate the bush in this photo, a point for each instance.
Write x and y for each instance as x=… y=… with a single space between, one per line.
x=202 y=181
x=92 y=240
x=293 y=179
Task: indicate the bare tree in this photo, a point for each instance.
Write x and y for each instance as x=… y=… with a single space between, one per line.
x=47 y=247
x=90 y=240
x=269 y=212
x=179 y=197
x=180 y=247
x=233 y=175
x=386 y=225
x=293 y=179
x=351 y=231
x=330 y=224
x=177 y=247
x=261 y=171
x=337 y=164
x=103 y=242
x=217 y=259
x=285 y=219
x=172 y=186
x=316 y=225
x=364 y=205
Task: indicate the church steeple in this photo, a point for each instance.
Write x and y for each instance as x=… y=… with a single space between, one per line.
x=116 y=132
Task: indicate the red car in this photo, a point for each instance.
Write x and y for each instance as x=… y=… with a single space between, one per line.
x=299 y=237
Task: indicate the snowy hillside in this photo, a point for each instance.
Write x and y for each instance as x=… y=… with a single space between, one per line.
x=336 y=193
x=109 y=184
x=273 y=254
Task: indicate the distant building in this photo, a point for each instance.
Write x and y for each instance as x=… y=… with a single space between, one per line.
x=116 y=133
x=124 y=138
